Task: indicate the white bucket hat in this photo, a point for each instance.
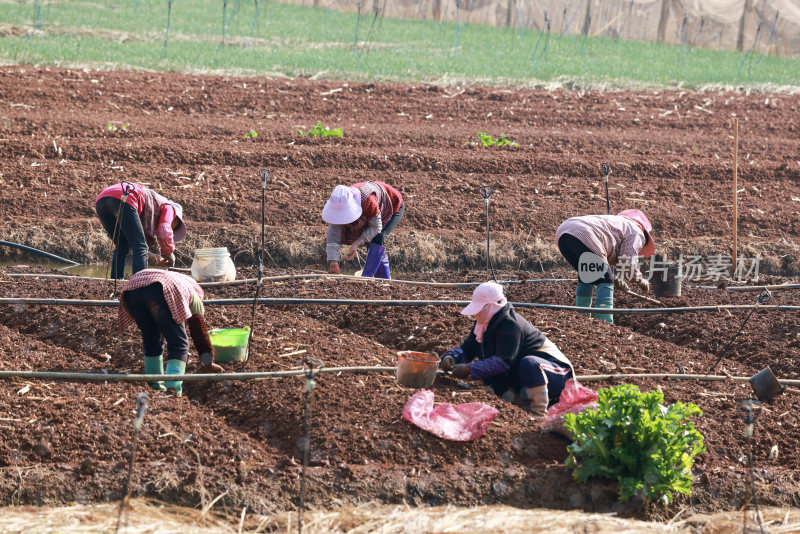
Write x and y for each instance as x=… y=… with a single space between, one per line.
x=486 y=293
x=343 y=207
x=180 y=230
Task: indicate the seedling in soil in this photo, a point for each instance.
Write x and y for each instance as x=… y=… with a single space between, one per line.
x=633 y=437
x=111 y=127
x=488 y=140
x=322 y=131
x=252 y=134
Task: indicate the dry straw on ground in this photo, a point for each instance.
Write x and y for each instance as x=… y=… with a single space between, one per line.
x=145 y=516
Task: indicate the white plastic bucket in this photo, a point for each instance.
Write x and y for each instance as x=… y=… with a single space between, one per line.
x=213 y=265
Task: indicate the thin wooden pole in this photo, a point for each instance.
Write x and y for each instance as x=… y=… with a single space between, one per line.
x=735 y=189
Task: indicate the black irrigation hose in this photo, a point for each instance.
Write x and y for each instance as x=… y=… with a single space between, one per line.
x=265 y=174
x=218 y=377
x=275 y=301
x=141 y=406
x=486 y=192
x=310 y=372
x=305 y=276
x=37 y=251
x=764 y=296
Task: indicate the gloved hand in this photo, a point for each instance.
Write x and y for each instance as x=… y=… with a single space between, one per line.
x=447 y=362
x=621 y=285
x=644 y=285
x=461 y=371
x=213 y=367
x=333 y=267
x=170 y=260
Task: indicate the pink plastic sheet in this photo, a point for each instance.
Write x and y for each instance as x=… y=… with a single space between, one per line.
x=462 y=422
x=574 y=399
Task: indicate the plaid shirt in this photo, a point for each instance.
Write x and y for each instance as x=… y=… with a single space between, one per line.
x=177 y=288
x=609 y=236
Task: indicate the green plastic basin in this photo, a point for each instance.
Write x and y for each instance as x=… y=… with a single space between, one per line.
x=230 y=344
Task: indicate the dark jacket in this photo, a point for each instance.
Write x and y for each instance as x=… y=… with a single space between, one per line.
x=508 y=336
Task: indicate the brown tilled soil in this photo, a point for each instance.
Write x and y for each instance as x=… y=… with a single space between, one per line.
x=670 y=152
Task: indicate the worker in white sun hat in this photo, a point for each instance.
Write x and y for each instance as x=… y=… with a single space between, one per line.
x=509 y=354
x=362 y=214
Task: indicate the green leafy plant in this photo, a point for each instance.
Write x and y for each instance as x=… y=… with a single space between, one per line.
x=111 y=127
x=631 y=436
x=488 y=140
x=252 y=134
x=322 y=131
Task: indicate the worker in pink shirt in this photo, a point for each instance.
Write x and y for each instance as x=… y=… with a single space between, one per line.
x=593 y=244
x=364 y=213
x=160 y=302
x=135 y=217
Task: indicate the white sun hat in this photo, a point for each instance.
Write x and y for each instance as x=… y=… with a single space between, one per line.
x=344 y=205
x=486 y=293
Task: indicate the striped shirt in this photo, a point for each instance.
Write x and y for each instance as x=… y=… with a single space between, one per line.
x=611 y=237
x=177 y=288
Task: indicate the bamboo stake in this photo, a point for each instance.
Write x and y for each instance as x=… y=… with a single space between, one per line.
x=735 y=189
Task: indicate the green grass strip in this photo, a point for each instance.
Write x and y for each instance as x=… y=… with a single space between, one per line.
x=303 y=41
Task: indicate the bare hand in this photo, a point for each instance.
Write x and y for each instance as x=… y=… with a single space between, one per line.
x=352 y=253
x=170 y=260
x=156 y=260
x=621 y=285
x=644 y=285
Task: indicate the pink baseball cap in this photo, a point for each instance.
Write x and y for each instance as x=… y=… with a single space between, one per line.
x=649 y=248
x=486 y=293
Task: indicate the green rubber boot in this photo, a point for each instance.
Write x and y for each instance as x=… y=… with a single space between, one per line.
x=154 y=365
x=605 y=299
x=175 y=367
x=583 y=296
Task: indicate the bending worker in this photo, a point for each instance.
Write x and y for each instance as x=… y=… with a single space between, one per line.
x=509 y=354
x=592 y=244
x=160 y=302
x=363 y=213
x=134 y=217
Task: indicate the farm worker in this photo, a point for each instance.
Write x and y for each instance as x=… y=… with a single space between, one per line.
x=611 y=240
x=160 y=302
x=509 y=354
x=362 y=213
x=140 y=216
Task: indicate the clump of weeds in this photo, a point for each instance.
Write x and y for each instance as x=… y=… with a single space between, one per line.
x=112 y=127
x=488 y=140
x=322 y=131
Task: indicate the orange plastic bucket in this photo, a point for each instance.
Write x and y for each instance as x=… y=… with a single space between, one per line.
x=416 y=369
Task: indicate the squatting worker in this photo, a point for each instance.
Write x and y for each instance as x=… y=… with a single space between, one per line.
x=140 y=217
x=613 y=240
x=160 y=302
x=362 y=213
x=509 y=354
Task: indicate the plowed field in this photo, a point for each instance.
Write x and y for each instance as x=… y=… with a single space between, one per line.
x=670 y=153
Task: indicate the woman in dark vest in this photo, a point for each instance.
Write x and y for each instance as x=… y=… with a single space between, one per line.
x=363 y=213
x=509 y=354
x=135 y=217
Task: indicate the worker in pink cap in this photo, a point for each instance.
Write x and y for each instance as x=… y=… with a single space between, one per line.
x=362 y=214
x=593 y=244
x=509 y=354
